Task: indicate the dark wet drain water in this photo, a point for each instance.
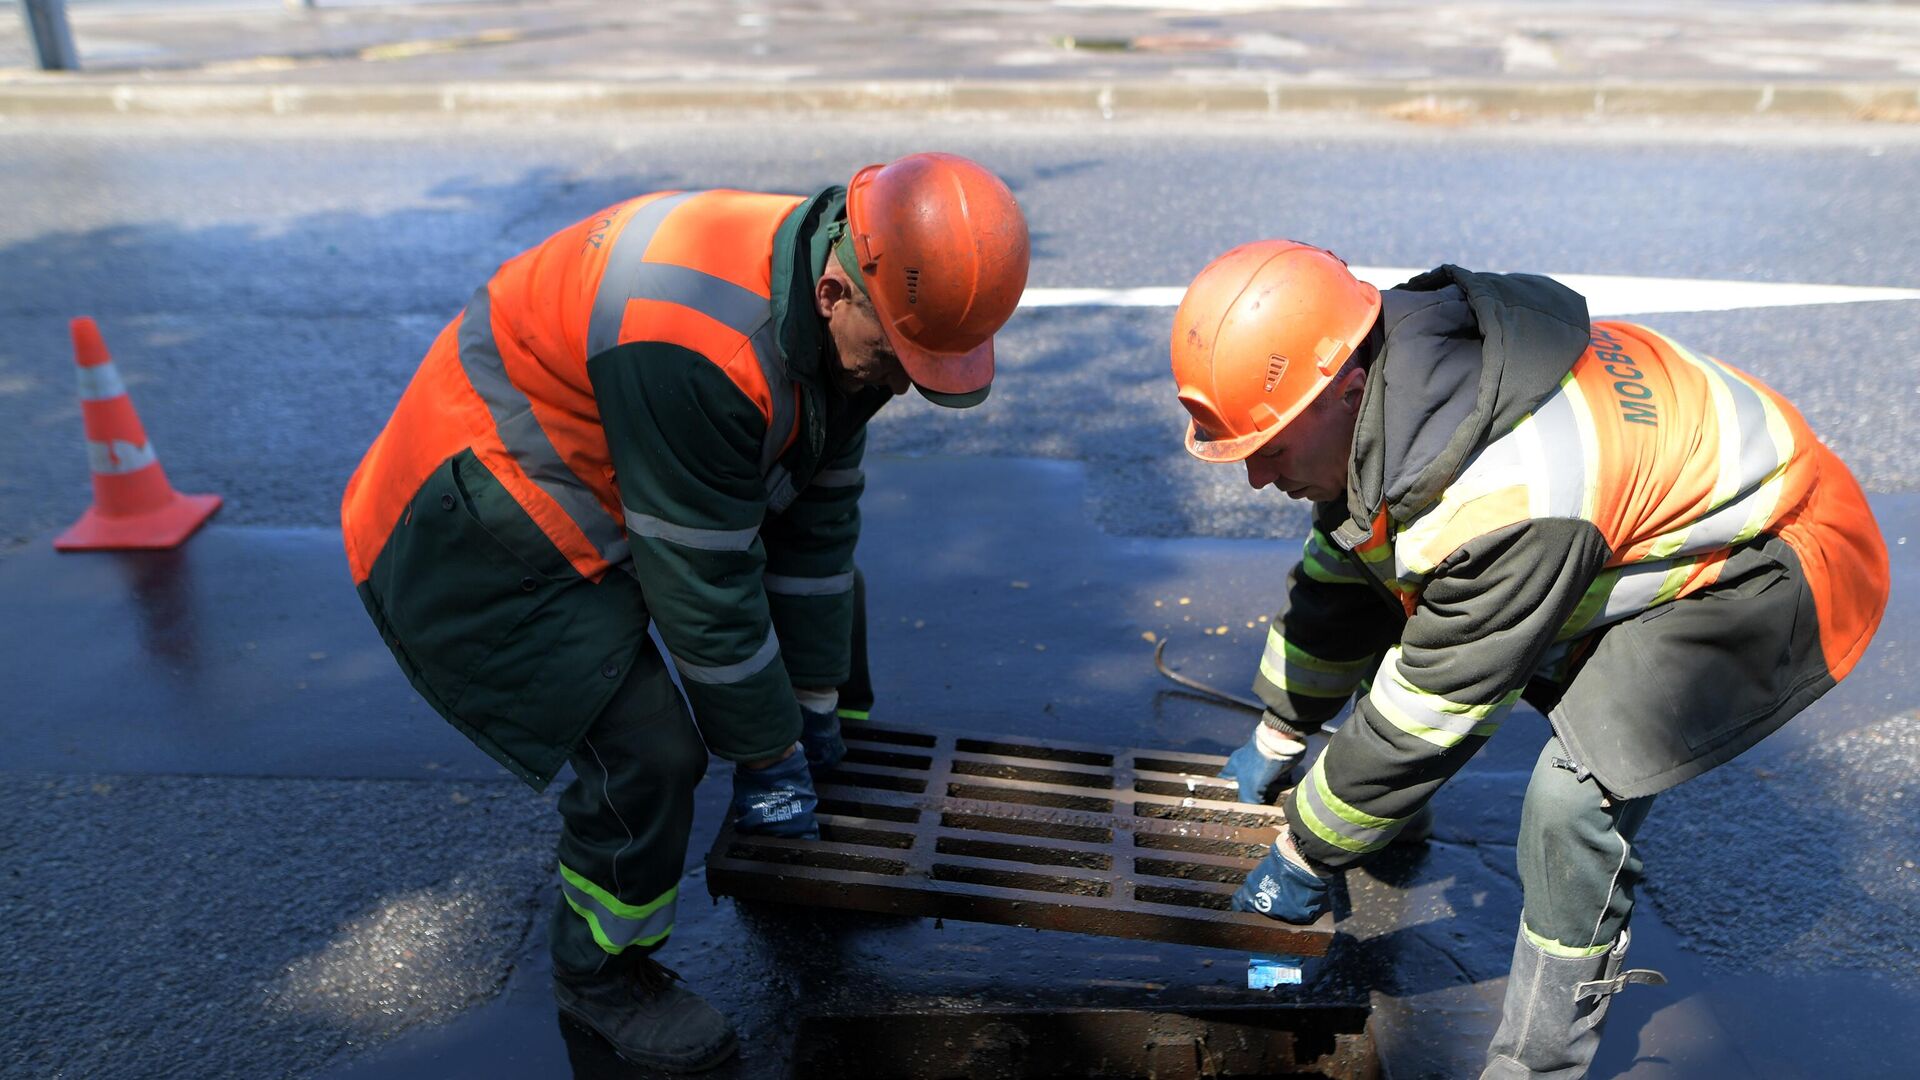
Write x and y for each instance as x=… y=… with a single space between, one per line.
x=1109 y=1044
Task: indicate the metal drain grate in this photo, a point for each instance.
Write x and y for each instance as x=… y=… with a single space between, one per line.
x=1058 y=836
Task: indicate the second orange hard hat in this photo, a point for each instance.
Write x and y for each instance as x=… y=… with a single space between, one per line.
x=943 y=252
x=1260 y=333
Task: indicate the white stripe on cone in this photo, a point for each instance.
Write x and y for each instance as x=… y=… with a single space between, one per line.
x=100 y=382
x=119 y=457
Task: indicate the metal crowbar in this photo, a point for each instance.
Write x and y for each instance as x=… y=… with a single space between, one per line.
x=1160 y=663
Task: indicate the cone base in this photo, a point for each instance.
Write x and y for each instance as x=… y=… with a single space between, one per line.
x=166 y=527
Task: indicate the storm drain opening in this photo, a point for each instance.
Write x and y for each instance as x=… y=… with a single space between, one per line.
x=1095 y=840
x=1331 y=1041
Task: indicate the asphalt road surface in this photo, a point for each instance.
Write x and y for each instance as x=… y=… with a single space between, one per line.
x=268 y=287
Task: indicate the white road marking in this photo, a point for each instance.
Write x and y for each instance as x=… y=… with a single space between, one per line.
x=1607 y=294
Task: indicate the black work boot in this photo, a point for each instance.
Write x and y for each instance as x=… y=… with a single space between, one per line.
x=639 y=1008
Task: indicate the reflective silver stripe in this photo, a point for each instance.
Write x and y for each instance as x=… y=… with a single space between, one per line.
x=780 y=422
x=525 y=440
x=1562 y=458
x=832 y=585
x=1430 y=717
x=100 y=382
x=118 y=457
x=628 y=276
x=686 y=536
x=1642 y=586
x=1323 y=562
x=616 y=925
x=740 y=310
x=1296 y=671
x=622 y=271
x=833 y=478
x=731 y=673
x=1334 y=821
x=780 y=490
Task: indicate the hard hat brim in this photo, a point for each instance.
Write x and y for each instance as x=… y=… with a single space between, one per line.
x=1228 y=451
x=954 y=374
x=955 y=401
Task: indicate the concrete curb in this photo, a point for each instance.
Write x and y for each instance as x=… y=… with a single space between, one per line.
x=1455 y=100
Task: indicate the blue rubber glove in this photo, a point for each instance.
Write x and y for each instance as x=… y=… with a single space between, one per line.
x=1283 y=887
x=775 y=801
x=820 y=738
x=1263 y=766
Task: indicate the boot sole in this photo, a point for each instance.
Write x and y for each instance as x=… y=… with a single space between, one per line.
x=713 y=1059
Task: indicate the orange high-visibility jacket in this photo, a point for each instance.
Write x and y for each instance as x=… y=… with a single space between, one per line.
x=645 y=388
x=1522 y=482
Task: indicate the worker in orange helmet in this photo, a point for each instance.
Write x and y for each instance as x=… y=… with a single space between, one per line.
x=1511 y=500
x=658 y=415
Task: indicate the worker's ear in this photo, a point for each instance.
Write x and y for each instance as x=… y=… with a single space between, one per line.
x=832 y=288
x=1352 y=386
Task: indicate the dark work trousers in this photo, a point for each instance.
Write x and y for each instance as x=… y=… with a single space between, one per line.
x=1578 y=866
x=626 y=820
x=629 y=811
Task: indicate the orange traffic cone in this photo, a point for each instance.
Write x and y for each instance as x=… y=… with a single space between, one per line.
x=133 y=505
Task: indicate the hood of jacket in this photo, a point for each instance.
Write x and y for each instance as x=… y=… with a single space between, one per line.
x=1462 y=357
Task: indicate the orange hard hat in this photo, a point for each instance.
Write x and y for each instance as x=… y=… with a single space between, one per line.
x=942 y=248
x=1261 y=332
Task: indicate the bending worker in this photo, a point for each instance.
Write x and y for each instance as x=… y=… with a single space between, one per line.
x=659 y=413
x=1510 y=500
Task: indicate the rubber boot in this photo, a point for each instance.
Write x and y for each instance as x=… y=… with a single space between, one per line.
x=638 y=1006
x=1550 y=1024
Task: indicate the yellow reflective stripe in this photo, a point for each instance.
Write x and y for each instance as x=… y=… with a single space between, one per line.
x=617 y=926
x=1297 y=671
x=1320 y=563
x=1565 y=952
x=1592 y=603
x=1430 y=717
x=1376 y=555
x=606 y=899
x=1333 y=820
x=1674 y=580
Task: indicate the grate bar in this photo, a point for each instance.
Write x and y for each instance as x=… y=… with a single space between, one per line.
x=1057 y=836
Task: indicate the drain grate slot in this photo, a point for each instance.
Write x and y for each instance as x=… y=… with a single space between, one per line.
x=1196 y=766
x=1034 y=751
x=1001 y=770
x=850 y=778
x=876 y=811
x=1027 y=853
x=1180 y=789
x=1190 y=871
x=1159 y=894
x=993 y=793
x=1085 y=834
x=823 y=857
x=866 y=733
x=1200 y=845
x=841 y=833
x=1073 y=837
x=860 y=755
x=1017 y=879
x=1206 y=814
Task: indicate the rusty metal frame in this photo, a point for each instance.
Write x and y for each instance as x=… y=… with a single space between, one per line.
x=1058 y=836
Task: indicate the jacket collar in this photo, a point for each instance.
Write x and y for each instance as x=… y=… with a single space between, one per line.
x=1464 y=357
